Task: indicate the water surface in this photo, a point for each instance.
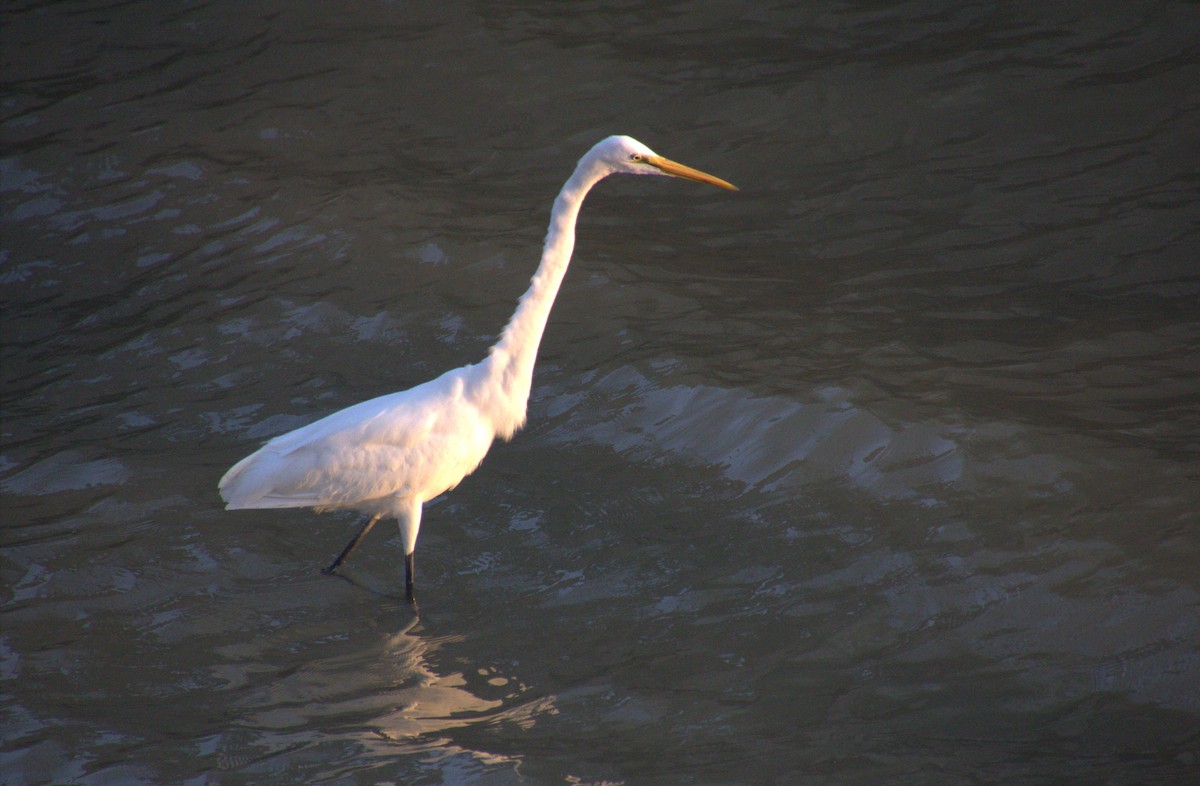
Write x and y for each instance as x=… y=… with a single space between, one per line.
x=882 y=470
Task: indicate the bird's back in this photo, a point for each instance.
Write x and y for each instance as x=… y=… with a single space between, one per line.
x=372 y=456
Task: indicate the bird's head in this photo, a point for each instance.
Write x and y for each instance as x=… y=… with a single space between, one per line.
x=628 y=156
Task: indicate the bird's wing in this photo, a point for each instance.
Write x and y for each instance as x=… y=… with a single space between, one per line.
x=417 y=443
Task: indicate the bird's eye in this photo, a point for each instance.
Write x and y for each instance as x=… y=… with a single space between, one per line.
x=637 y=157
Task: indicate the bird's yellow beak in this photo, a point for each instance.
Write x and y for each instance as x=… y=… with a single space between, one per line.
x=675 y=169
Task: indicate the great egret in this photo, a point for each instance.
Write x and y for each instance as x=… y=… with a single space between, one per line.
x=389 y=455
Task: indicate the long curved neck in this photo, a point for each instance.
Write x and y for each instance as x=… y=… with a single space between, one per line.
x=508 y=370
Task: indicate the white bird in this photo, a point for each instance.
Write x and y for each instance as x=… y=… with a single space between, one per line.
x=390 y=455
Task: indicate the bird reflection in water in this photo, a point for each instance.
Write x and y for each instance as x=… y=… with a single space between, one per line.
x=385 y=697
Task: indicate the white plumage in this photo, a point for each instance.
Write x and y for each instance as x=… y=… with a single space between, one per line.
x=389 y=455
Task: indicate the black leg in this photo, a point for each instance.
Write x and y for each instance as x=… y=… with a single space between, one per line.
x=408 y=579
x=351 y=546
